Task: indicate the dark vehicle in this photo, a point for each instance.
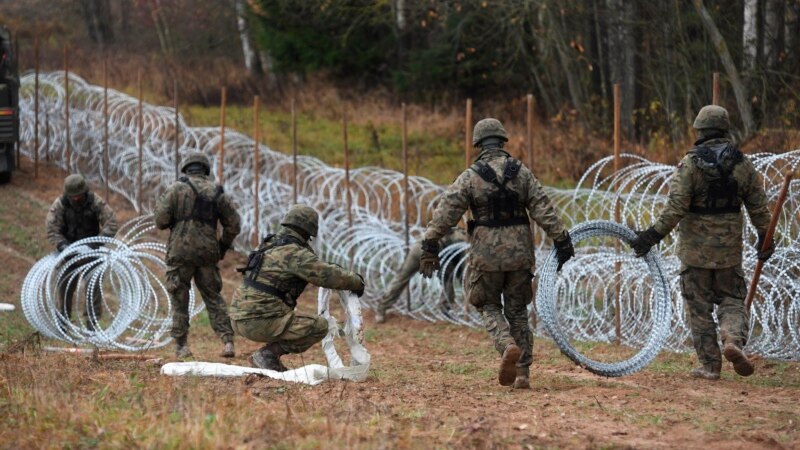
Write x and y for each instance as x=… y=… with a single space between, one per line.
x=9 y=105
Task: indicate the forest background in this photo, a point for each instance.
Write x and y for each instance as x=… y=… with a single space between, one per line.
x=366 y=57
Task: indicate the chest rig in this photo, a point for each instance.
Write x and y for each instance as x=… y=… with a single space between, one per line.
x=503 y=207
x=717 y=163
x=205 y=209
x=286 y=290
x=80 y=222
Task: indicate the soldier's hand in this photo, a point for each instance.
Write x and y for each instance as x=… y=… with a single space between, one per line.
x=645 y=240
x=360 y=291
x=564 y=250
x=429 y=259
x=764 y=254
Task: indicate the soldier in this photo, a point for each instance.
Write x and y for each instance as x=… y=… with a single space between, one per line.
x=76 y=215
x=502 y=195
x=410 y=267
x=191 y=208
x=263 y=307
x=706 y=195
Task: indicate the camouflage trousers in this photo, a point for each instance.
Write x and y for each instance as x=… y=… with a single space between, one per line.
x=66 y=293
x=295 y=335
x=407 y=271
x=506 y=322
x=209 y=283
x=726 y=289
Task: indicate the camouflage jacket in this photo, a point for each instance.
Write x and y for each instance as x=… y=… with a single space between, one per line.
x=504 y=248
x=711 y=241
x=288 y=267
x=66 y=223
x=191 y=242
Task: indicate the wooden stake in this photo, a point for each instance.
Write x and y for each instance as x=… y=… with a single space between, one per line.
x=176 y=143
x=294 y=153
x=468 y=134
x=140 y=126
x=618 y=264
x=715 y=89
x=105 y=126
x=36 y=108
x=347 y=169
x=256 y=171
x=773 y=223
x=405 y=193
x=15 y=39
x=221 y=168
x=529 y=154
x=67 y=149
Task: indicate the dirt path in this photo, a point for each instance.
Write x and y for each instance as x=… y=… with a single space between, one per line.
x=430 y=386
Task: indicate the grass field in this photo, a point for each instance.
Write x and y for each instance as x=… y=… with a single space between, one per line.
x=430 y=386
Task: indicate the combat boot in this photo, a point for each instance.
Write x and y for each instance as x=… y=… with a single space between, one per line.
x=508 y=365
x=380 y=314
x=228 y=350
x=707 y=371
x=522 y=381
x=182 y=349
x=268 y=357
x=741 y=364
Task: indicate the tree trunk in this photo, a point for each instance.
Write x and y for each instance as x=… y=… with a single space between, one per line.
x=250 y=62
x=750 y=34
x=739 y=90
x=792 y=30
x=97 y=16
x=773 y=31
x=622 y=54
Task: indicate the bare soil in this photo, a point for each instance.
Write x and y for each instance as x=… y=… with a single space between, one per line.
x=430 y=386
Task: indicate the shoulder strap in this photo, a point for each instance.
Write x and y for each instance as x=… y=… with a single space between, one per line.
x=511 y=170
x=189 y=182
x=484 y=171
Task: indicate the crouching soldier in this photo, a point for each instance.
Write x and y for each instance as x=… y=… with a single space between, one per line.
x=263 y=307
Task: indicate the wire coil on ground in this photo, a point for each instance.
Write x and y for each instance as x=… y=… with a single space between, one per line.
x=658 y=302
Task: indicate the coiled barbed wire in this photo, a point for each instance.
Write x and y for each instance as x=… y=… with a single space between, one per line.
x=374 y=244
x=135 y=311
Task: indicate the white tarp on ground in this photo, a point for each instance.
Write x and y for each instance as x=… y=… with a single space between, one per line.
x=312 y=374
x=7 y=307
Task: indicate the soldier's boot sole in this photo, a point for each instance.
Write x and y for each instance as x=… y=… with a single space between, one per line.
x=380 y=317
x=183 y=352
x=741 y=364
x=702 y=372
x=522 y=382
x=260 y=361
x=228 y=351
x=508 y=365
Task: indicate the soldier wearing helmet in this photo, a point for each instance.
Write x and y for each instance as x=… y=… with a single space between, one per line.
x=263 y=307
x=191 y=208
x=710 y=186
x=75 y=215
x=503 y=196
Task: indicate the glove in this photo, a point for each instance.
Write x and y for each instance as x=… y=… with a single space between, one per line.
x=222 y=250
x=645 y=240
x=764 y=255
x=564 y=250
x=429 y=259
x=95 y=245
x=61 y=246
x=360 y=291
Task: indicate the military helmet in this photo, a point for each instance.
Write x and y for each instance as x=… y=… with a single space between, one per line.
x=712 y=116
x=303 y=217
x=488 y=128
x=74 y=185
x=196 y=157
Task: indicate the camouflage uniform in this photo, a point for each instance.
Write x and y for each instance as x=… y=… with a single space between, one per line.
x=193 y=249
x=288 y=265
x=710 y=250
x=411 y=267
x=69 y=221
x=501 y=259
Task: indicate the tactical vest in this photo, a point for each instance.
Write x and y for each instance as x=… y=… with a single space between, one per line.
x=504 y=208
x=717 y=163
x=80 y=222
x=205 y=209
x=286 y=290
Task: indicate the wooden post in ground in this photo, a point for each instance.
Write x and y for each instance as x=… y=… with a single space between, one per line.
x=715 y=89
x=36 y=108
x=47 y=135
x=176 y=142
x=529 y=154
x=67 y=150
x=618 y=264
x=405 y=194
x=347 y=168
x=105 y=126
x=140 y=126
x=15 y=39
x=294 y=153
x=221 y=168
x=256 y=171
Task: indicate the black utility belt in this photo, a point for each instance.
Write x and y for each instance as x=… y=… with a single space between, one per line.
x=472 y=224
x=267 y=289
